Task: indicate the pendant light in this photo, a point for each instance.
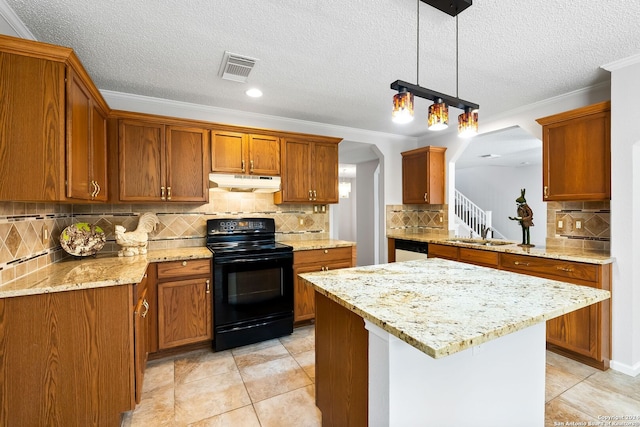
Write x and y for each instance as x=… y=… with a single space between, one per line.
x=402 y=107
x=438 y=116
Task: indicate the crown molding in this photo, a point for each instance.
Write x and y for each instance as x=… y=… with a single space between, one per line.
x=14 y=22
x=186 y=110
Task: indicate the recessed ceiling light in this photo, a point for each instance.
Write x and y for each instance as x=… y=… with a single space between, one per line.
x=254 y=93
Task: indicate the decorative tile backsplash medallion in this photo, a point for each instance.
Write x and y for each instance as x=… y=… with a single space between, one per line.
x=22 y=250
x=581 y=225
x=418 y=218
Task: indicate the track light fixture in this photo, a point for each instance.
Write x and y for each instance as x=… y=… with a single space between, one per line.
x=438 y=118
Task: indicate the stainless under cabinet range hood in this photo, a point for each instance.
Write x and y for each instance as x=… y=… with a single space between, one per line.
x=257 y=184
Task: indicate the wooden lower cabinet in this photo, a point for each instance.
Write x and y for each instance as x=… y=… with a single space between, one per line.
x=185 y=303
x=141 y=322
x=342 y=365
x=67 y=358
x=583 y=335
x=311 y=261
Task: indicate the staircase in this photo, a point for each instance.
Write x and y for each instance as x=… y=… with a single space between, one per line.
x=472 y=219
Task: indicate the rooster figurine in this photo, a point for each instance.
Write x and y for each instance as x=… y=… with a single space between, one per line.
x=135 y=242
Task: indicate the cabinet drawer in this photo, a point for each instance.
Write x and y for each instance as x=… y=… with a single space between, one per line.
x=179 y=269
x=475 y=256
x=442 y=251
x=321 y=256
x=551 y=268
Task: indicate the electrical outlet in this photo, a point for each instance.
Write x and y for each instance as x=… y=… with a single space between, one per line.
x=45 y=234
x=560 y=224
x=315 y=208
x=578 y=225
x=323 y=208
x=301 y=221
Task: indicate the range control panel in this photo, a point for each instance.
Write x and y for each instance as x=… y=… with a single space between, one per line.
x=241 y=225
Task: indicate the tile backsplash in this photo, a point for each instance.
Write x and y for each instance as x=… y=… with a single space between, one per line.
x=418 y=218
x=581 y=225
x=23 y=248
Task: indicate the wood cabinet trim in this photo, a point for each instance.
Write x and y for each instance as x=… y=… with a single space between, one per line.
x=575 y=113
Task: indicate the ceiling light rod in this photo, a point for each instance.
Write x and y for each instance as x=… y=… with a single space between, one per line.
x=432 y=95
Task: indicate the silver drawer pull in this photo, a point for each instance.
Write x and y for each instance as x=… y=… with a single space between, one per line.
x=526 y=264
x=567 y=269
x=146 y=306
x=184 y=263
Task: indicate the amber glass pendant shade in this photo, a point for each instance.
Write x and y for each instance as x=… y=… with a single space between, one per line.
x=438 y=118
x=468 y=123
x=402 y=107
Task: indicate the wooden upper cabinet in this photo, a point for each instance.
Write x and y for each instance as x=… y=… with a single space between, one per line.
x=187 y=165
x=160 y=162
x=576 y=154
x=240 y=153
x=86 y=143
x=423 y=176
x=309 y=171
x=141 y=168
x=52 y=125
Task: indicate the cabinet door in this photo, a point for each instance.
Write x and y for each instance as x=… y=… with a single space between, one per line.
x=264 y=155
x=99 y=153
x=228 y=152
x=187 y=164
x=32 y=106
x=184 y=312
x=86 y=144
x=577 y=159
x=78 y=139
x=576 y=331
x=141 y=341
x=414 y=178
x=423 y=176
x=303 y=294
x=141 y=154
x=325 y=173
x=296 y=176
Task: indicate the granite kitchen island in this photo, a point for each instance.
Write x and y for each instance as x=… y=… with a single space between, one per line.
x=435 y=342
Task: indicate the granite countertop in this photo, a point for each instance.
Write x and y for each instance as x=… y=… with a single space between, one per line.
x=566 y=254
x=441 y=307
x=108 y=269
x=104 y=270
x=304 y=245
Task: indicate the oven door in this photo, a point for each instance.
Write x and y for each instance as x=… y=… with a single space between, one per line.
x=251 y=290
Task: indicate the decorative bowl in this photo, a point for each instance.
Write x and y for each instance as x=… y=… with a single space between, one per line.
x=82 y=239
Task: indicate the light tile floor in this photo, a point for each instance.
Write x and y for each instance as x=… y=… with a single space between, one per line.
x=272 y=384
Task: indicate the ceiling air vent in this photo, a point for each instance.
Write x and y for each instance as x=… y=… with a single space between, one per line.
x=236 y=67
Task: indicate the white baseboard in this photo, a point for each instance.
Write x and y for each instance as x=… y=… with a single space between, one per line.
x=633 y=370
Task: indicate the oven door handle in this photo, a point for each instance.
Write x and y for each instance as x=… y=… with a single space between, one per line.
x=237 y=260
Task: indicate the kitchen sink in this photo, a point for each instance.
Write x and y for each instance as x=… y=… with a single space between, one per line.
x=481 y=242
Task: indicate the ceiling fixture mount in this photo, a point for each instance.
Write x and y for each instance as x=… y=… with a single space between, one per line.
x=236 y=67
x=438 y=118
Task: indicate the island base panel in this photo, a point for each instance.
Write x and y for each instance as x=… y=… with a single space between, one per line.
x=498 y=383
x=341 y=365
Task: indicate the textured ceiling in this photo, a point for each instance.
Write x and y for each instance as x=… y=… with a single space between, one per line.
x=332 y=61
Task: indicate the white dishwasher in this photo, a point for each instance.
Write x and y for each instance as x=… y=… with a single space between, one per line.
x=407 y=250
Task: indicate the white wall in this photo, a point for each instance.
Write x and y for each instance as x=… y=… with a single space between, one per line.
x=496 y=188
x=625 y=214
x=366 y=202
x=346 y=213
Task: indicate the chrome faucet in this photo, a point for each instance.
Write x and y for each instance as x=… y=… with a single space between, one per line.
x=485 y=231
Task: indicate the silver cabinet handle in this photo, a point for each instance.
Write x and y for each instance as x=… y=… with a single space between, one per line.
x=526 y=264
x=168 y=193
x=567 y=269
x=208 y=282
x=243 y=165
x=310 y=195
x=315 y=195
x=162 y=193
x=97 y=189
x=251 y=166
x=546 y=191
